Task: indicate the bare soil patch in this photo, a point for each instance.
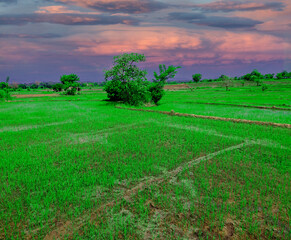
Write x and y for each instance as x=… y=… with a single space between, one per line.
x=176 y=87
x=35 y=95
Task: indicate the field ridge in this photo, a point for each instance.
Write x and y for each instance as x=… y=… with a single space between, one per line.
x=172 y=113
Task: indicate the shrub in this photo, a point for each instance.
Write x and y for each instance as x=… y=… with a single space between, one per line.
x=264 y=87
x=3 y=85
x=2 y=94
x=157 y=91
x=70 y=83
x=58 y=87
x=258 y=81
x=196 y=77
x=137 y=93
x=4 y=90
x=114 y=89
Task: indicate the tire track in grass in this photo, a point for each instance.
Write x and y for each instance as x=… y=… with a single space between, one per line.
x=262 y=142
x=29 y=127
x=98 y=136
x=128 y=194
x=234 y=120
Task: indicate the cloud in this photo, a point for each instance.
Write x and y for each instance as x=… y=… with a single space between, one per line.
x=31 y=36
x=60 y=9
x=66 y=19
x=8 y=1
x=215 y=21
x=227 y=22
x=188 y=48
x=119 y=6
x=149 y=40
x=186 y=16
x=231 y=6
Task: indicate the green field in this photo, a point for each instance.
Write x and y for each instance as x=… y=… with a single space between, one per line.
x=79 y=168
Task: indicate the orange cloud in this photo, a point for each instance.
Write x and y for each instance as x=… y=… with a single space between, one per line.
x=273 y=20
x=60 y=9
x=185 y=47
x=148 y=39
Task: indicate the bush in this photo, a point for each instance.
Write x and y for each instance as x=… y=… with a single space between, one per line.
x=4 y=94
x=264 y=87
x=3 y=85
x=136 y=93
x=114 y=89
x=70 y=84
x=58 y=87
x=157 y=92
x=196 y=77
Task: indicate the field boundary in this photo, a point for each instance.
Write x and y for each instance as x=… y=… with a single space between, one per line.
x=235 y=120
x=242 y=105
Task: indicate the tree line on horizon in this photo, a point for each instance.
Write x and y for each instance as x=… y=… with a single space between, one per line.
x=126 y=82
x=252 y=77
x=195 y=78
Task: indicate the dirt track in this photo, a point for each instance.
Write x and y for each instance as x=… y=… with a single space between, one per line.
x=176 y=87
x=35 y=95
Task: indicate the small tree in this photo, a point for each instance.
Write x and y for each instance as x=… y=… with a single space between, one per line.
x=157 y=87
x=4 y=90
x=226 y=82
x=283 y=75
x=196 y=77
x=258 y=81
x=58 y=87
x=125 y=81
x=269 y=76
x=70 y=83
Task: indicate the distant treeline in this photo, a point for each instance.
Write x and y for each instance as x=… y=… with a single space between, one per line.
x=44 y=85
x=254 y=76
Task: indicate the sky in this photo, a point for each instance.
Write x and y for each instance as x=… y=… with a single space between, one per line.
x=40 y=40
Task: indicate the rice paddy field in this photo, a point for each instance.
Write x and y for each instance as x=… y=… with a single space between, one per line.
x=79 y=168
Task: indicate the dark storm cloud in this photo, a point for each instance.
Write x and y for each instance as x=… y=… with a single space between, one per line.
x=31 y=36
x=227 y=22
x=113 y=6
x=231 y=6
x=185 y=16
x=8 y=1
x=129 y=6
x=66 y=19
x=214 y=21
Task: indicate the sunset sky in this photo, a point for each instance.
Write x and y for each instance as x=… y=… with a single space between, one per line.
x=40 y=40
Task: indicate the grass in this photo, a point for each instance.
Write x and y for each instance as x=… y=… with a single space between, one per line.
x=74 y=168
x=276 y=95
x=194 y=102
